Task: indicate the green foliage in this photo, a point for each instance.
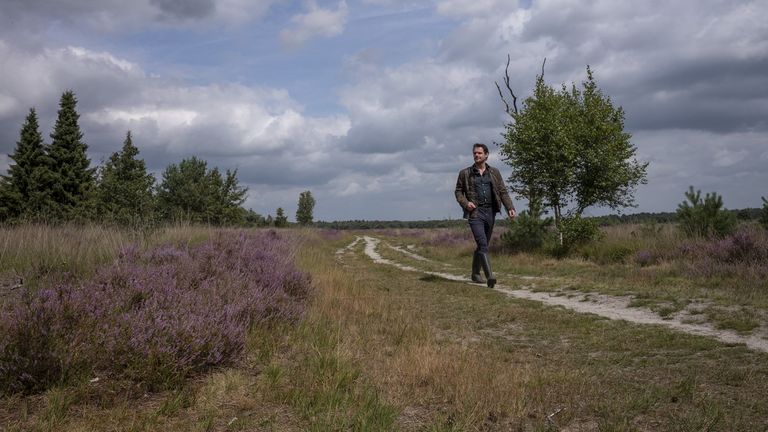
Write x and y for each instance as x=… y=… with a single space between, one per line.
x=575 y=231
x=526 y=233
x=125 y=188
x=22 y=191
x=764 y=213
x=569 y=148
x=191 y=192
x=537 y=148
x=228 y=197
x=704 y=217
x=72 y=188
x=305 y=208
x=281 y=220
x=251 y=218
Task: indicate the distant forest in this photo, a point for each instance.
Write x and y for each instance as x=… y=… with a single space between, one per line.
x=747 y=214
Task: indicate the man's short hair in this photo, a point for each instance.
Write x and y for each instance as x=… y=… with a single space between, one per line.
x=482 y=146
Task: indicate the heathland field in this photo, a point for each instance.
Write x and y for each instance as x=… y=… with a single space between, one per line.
x=190 y=328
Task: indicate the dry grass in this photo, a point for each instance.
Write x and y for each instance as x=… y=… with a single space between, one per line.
x=452 y=357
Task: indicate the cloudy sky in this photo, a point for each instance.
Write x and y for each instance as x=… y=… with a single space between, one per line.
x=373 y=104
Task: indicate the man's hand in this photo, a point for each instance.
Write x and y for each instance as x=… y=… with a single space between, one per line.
x=512 y=213
x=471 y=206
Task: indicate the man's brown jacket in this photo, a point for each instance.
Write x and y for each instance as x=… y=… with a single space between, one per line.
x=465 y=190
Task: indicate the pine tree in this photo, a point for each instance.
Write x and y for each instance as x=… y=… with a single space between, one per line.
x=706 y=217
x=189 y=191
x=125 y=187
x=183 y=193
x=281 y=220
x=74 y=180
x=306 y=206
x=230 y=198
x=24 y=185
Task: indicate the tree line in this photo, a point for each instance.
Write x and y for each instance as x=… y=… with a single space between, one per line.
x=55 y=183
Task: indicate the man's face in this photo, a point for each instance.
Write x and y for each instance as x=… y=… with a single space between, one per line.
x=479 y=155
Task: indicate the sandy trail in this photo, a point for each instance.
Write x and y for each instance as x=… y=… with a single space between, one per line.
x=612 y=307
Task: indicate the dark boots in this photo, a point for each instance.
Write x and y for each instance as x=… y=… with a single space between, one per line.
x=476 y=269
x=486 y=264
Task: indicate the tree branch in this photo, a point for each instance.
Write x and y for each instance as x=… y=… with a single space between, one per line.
x=501 y=95
x=509 y=88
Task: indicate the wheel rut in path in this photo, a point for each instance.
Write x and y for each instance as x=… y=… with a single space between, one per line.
x=611 y=307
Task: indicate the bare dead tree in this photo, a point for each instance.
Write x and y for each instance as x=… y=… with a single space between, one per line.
x=509 y=88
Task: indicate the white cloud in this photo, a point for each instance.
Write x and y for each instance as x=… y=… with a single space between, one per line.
x=413 y=105
x=315 y=22
x=231 y=124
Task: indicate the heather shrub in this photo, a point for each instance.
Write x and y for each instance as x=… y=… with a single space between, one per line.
x=154 y=317
x=743 y=254
x=644 y=258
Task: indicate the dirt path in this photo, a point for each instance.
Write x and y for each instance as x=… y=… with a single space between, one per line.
x=612 y=307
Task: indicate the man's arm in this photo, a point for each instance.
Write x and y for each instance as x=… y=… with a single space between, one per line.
x=461 y=196
x=504 y=194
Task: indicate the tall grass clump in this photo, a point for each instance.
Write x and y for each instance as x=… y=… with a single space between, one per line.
x=153 y=316
x=35 y=251
x=644 y=244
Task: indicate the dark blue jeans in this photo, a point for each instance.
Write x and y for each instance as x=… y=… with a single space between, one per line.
x=481 y=223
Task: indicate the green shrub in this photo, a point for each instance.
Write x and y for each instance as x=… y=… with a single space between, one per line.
x=610 y=253
x=764 y=213
x=575 y=231
x=704 y=218
x=526 y=233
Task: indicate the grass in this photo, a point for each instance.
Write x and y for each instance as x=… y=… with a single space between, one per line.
x=382 y=349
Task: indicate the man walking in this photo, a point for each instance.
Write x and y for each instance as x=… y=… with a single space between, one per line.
x=481 y=191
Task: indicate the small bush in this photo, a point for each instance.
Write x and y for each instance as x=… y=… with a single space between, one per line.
x=526 y=233
x=704 y=218
x=575 y=232
x=764 y=213
x=607 y=253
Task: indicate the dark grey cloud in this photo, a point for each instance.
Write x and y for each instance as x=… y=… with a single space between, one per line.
x=184 y=9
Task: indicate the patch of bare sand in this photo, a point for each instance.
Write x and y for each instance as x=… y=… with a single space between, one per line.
x=612 y=307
